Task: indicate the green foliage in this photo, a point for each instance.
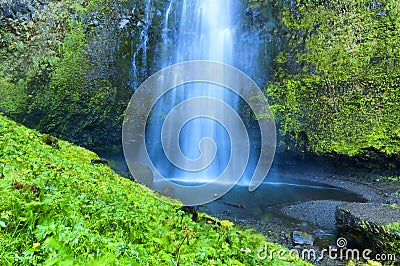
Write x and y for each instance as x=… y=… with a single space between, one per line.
x=14 y=96
x=62 y=79
x=336 y=84
x=56 y=208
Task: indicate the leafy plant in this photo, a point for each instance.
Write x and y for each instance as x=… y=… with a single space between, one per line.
x=56 y=208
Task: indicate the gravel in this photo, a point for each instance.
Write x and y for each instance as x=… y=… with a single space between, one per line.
x=321 y=213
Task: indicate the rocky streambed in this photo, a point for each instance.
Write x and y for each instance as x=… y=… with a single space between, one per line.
x=318 y=223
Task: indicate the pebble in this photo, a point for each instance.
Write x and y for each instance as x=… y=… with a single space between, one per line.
x=301 y=238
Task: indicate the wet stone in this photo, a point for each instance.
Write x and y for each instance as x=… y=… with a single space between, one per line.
x=300 y=238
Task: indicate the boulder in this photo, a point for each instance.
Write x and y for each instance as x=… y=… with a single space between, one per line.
x=370 y=226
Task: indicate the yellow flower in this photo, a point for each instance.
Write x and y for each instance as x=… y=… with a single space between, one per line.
x=226 y=223
x=35 y=245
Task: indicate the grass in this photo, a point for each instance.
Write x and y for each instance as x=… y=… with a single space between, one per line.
x=58 y=209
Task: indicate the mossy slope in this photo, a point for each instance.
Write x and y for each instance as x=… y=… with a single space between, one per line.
x=57 y=208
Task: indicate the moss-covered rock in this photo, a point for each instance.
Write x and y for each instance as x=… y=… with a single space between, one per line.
x=370 y=226
x=335 y=88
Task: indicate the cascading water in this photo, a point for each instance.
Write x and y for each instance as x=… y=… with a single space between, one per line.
x=142 y=46
x=206 y=31
x=197 y=30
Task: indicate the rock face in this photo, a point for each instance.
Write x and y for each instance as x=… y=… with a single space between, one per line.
x=21 y=10
x=370 y=226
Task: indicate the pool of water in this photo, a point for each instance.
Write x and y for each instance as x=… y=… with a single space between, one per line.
x=274 y=192
x=281 y=187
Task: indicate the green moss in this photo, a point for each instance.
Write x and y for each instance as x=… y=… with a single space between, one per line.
x=393 y=226
x=58 y=208
x=14 y=98
x=62 y=75
x=337 y=75
x=390 y=178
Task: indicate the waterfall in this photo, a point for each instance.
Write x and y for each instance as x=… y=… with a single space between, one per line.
x=197 y=30
x=205 y=32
